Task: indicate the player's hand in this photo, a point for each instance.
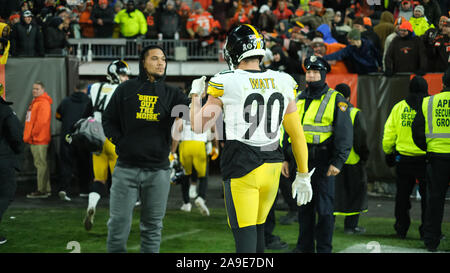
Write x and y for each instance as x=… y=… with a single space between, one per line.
x=301 y=188
x=198 y=86
x=214 y=153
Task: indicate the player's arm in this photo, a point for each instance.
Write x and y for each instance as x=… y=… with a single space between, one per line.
x=301 y=187
x=203 y=118
x=294 y=129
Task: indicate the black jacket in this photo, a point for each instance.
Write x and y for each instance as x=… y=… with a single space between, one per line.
x=107 y=16
x=11 y=132
x=70 y=110
x=27 y=40
x=138 y=120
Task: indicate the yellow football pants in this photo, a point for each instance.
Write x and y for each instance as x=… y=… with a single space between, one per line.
x=193 y=154
x=106 y=159
x=248 y=199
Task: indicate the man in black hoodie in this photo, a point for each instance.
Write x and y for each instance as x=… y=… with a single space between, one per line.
x=138 y=121
x=68 y=112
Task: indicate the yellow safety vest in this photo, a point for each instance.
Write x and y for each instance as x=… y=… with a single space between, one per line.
x=397 y=131
x=353 y=157
x=317 y=121
x=436 y=110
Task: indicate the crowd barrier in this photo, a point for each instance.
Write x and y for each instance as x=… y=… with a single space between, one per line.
x=89 y=49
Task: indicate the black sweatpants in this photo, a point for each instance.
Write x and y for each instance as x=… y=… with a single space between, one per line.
x=408 y=170
x=438 y=173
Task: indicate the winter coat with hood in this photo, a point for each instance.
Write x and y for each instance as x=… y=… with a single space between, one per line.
x=406 y=54
x=37 y=121
x=420 y=25
x=138 y=119
x=27 y=40
x=55 y=37
x=326 y=31
x=385 y=27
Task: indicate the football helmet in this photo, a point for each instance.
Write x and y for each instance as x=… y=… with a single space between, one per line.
x=242 y=42
x=316 y=63
x=116 y=68
x=176 y=172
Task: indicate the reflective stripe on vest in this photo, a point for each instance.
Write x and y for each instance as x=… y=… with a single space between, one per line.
x=353 y=157
x=436 y=110
x=318 y=119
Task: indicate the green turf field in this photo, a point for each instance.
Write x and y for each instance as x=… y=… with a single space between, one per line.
x=50 y=231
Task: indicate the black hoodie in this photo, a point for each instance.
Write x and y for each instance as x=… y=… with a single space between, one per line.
x=138 y=119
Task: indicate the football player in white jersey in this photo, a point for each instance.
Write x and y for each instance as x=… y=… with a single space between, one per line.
x=254 y=104
x=192 y=151
x=101 y=93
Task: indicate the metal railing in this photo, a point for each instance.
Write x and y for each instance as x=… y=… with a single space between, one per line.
x=88 y=49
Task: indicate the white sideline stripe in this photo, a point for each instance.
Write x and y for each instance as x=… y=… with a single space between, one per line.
x=364 y=248
x=166 y=238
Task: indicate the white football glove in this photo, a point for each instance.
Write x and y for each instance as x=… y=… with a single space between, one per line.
x=198 y=86
x=301 y=188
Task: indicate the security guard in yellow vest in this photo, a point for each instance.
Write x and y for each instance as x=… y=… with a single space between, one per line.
x=329 y=134
x=431 y=132
x=410 y=159
x=351 y=182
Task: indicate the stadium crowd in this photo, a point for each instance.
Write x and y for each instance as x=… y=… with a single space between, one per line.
x=390 y=37
x=306 y=37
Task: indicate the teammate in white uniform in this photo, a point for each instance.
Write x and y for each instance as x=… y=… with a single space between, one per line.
x=254 y=104
x=101 y=93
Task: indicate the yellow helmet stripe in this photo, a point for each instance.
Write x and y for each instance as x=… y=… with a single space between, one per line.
x=258 y=36
x=125 y=63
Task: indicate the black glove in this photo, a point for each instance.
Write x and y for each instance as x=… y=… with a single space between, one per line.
x=390 y=159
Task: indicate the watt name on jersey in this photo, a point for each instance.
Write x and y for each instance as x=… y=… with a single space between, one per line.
x=254 y=103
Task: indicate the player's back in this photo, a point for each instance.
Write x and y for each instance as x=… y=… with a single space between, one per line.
x=101 y=98
x=254 y=103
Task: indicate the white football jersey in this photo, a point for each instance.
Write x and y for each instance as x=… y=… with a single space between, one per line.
x=103 y=98
x=188 y=134
x=254 y=103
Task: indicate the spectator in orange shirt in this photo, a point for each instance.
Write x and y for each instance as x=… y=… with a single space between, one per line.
x=282 y=12
x=86 y=25
x=37 y=134
x=199 y=23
